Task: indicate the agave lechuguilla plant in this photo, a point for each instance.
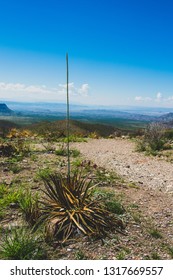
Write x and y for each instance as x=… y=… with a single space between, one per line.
x=68 y=209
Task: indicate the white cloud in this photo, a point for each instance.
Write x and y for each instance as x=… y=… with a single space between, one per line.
x=140 y=98
x=83 y=90
x=170 y=98
x=22 y=87
x=41 y=92
x=74 y=91
x=159 y=97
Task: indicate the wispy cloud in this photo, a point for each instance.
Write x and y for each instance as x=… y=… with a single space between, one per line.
x=17 y=87
x=170 y=98
x=140 y=98
x=158 y=97
x=82 y=90
x=20 y=90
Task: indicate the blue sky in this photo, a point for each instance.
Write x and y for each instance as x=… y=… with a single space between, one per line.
x=120 y=52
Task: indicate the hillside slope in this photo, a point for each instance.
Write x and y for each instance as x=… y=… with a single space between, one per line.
x=5 y=126
x=4 y=110
x=76 y=127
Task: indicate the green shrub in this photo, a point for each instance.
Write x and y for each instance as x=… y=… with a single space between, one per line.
x=63 y=152
x=155 y=233
x=73 y=138
x=3 y=190
x=21 y=245
x=28 y=204
x=15 y=168
x=153 y=139
x=115 y=206
x=109 y=199
x=7 y=149
x=43 y=173
x=105 y=177
x=155 y=256
x=169 y=133
x=9 y=196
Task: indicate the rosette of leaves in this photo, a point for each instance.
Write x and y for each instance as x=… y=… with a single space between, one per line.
x=68 y=209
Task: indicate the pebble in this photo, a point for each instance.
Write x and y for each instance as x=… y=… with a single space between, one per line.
x=69 y=249
x=14 y=205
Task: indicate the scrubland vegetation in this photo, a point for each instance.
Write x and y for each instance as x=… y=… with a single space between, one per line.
x=44 y=214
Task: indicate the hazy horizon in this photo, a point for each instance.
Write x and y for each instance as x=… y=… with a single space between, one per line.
x=61 y=106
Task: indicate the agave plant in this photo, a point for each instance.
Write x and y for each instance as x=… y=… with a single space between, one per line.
x=67 y=209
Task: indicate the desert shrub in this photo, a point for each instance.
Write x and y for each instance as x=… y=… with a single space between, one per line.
x=52 y=136
x=14 y=167
x=28 y=204
x=19 y=141
x=108 y=197
x=73 y=138
x=3 y=190
x=153 y=139
x=43 y=173
x=155 y=233
x=74 y=153
x=104 y=177
x=169 y=134
x=20 y=244
x=9 y=196
x=7 y=149
x=94 y=135
x=49 y=146
x=67 y=209
x=62 y=151
x=115 y=206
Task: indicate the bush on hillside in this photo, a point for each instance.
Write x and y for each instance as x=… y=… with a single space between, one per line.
x=153 y=138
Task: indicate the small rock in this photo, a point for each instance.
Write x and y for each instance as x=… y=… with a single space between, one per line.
x=5 y=169
x=69 y=249
x=14 y=205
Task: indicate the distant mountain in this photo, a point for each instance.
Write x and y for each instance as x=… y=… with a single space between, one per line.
x=4 y=110
x=166 y=117
x=115 y=114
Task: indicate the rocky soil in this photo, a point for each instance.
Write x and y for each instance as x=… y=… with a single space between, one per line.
x=144 y=188
x=147 y=193
x=119 y=155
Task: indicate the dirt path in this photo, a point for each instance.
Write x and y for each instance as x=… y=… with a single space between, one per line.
x=149 y=204
x=120 y=156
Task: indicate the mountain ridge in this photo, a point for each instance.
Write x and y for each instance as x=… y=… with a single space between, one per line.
x=4 y=110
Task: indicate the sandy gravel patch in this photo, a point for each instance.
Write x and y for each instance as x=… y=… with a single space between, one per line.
x=120 y=156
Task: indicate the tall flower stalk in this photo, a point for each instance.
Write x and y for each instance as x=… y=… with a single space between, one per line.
x=68 y=123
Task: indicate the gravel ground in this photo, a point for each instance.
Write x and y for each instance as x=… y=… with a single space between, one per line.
x=119 y=155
